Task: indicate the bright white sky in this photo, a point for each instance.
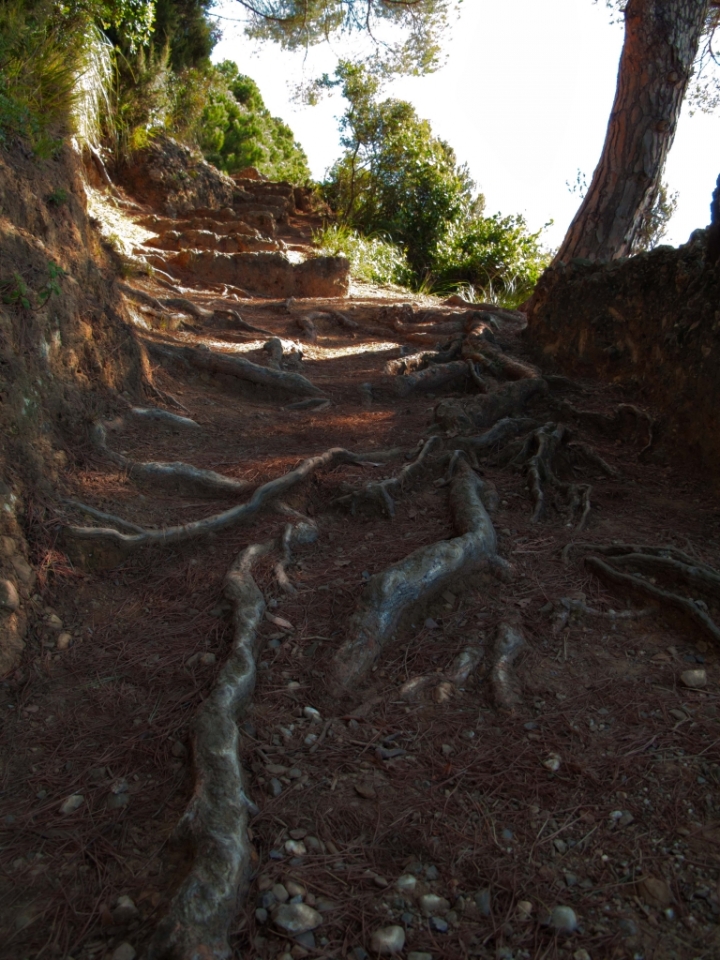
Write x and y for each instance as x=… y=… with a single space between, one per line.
x=523 y=99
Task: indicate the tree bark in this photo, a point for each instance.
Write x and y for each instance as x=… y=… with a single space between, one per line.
x=661 y=43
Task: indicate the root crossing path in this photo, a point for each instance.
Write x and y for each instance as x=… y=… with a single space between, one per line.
x=358 y=635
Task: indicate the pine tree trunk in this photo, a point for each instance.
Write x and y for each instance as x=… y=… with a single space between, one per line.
x=661 y=43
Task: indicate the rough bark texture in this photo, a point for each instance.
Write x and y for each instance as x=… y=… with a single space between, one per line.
x=661 y=42
x=651 y=322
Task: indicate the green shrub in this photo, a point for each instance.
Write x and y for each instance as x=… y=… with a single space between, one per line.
x=372 y=259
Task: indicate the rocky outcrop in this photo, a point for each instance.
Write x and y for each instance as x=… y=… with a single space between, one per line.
x=176 y=180
x=652 y=322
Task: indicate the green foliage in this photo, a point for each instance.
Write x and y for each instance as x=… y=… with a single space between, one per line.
x=52 y=285
x=39 y=62
x=395 y=179
x=15 y=292
x=497 y=256
x=184 y=25
x=371 y=258
x=297 y=24
x=236 y=130
x=57 y=198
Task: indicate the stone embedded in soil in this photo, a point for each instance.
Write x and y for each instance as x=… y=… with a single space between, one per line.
x=125 y=951
x=296 y=918
x=406 y=883
x=73 y=803
x=9 y=599
x=439 y=925
x=310 y=713
x=280 y=892
x=524 y=909
x=365 y=790
x=54 y=622
x=655 y=892
x=388 y=940
x=274 y=787
x=296 y=848
x=64 y=641
x=563 y=919
x=431 y=903
x=261 y=915
x=694 y=678
x=124 y=910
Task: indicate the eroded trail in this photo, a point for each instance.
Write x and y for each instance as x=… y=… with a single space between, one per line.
x=383 y=642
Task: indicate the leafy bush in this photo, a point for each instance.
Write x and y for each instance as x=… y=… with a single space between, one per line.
x=371 y=258
x=497 y=256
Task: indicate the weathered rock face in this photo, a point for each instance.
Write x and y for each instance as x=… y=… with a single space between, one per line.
x=269 y=274
x=652 y=322
x=175 y=179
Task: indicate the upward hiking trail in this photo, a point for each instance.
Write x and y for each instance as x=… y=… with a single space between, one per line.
x=372 y=637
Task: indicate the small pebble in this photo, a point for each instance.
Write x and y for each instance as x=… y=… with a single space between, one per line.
x=306 y=940
x=431 y=904
x=295 y=889
x=581 y=954
x=365 y=790
x=72 y=804
x=64 y=641
x=276 y=855
x=208 y=659
x=261 y=915
x=563 y=919
x=627 y=927
x=431 y=872
x=312 y=714
x=694 y=678
x=552 y=763
x=310 y=739
x=54 y=622
x=359 y=953
x=296 y=848
x=274 y=787
x=483 y=902
x=124 y=952
x=388 y=940
x=438 y=924
x=524 y=909
x=560 y=846
x=124 y=910
x=406 y=883
x=296 y=918
x=178 y=749
x=280 y=892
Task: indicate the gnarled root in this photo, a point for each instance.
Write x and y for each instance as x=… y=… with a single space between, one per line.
x=389 y=595
x=104 y=547
x=179 y=478
x=504 y=430
x=482 y=412
x=379 y=493
x=509 y=642
x=161 y=416
x=216 y=818
x=666 y=562
x=238 y=367
x=434 y=377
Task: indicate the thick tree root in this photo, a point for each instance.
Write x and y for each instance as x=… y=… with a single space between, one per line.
x=691 y=608
x=456 y=676
x=509 y=642
x=160 y=416
x=180 y=478
x=391 y=594
x=380 y=493
x=484 y=411
x=239 y=367
x=434 y=377
x=498 y=363
x=504 y=430
x=104 y=548
x=215 y=822
x=668 y=560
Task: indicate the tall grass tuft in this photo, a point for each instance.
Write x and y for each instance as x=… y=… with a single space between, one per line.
x=371 y=258
x=92 y=109
x=39 y=67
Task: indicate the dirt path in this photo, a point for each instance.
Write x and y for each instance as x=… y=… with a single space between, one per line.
x=556 y=800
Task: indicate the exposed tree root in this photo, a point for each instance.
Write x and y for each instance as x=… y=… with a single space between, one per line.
x=434 y=377
x=312 y=403
x=626 y=419
x=577 y=606
x=509 y=642
x=497 y=362
x=456 y=676
x=215 y=821
x=236 y=367
x=667 y=560
x=103 y=547
x=380 y=493
x=101 y=515
x=693 y=609
x=482 y=412
x=504 y=430
x=307 y=326
x=391 y=594
x=178 y=477
x=162 y=416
